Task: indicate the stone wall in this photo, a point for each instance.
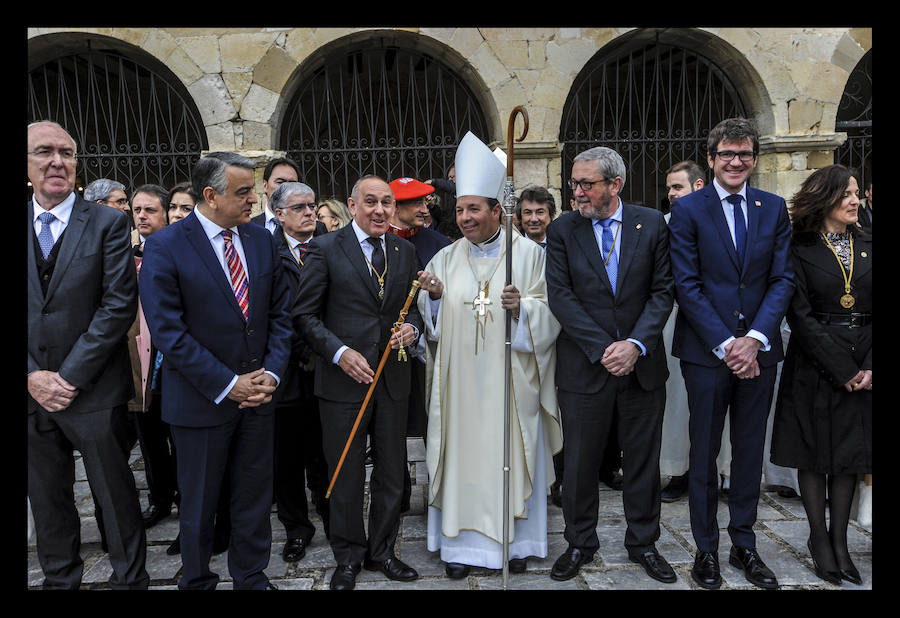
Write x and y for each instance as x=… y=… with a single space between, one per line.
x=241 y=79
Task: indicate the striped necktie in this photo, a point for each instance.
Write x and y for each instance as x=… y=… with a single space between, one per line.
x=236 y=272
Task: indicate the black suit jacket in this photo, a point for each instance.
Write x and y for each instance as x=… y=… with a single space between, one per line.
x=79 y=328
x=580 y=296
x=337 y=304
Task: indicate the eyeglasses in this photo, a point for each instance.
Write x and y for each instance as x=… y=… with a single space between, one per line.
x=727 y=155
x=120 y=202
x=301 y=207
x=45 y=154
x=585 y=184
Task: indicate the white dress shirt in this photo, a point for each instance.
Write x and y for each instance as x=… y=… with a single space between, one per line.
x=213 y=232
x=62 y=212
x=728 y=211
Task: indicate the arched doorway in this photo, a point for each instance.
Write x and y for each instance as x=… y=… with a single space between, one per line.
x=377 y=104
x=652 y=102
x=132 y=119
x=854 y=116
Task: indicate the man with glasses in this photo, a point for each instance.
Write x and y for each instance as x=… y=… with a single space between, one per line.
x=299 y=459
x=109 y=193
x=609 y=284
x=82 y=298
x=733 y=282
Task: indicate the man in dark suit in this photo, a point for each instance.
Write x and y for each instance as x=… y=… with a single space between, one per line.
x=865 y=208
x=216 y=302
x=82 y=299
x=299 y=459
x=352 y=288
x=609 y=284
x=733 y=282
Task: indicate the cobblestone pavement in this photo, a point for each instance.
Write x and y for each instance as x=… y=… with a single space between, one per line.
x=781 y=533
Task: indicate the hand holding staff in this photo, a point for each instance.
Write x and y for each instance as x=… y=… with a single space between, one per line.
x=384 y=357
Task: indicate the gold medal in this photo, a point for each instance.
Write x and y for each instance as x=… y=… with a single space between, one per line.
x=847 y=300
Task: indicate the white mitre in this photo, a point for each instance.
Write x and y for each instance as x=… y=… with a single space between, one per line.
x=478 y=170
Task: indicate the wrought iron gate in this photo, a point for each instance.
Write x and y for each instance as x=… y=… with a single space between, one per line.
x=383 y=110
x=130 y=123
x=654 y=104
x=854 y=116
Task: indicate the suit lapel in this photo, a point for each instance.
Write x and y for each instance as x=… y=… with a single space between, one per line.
x=717 y=216
x=357 y=259
x=754 y=212
x=253 y=267
x=584 y=236
x=32 y=275
x=394 y=270
x=197 y=238
x=75 y=228
x=631 y=234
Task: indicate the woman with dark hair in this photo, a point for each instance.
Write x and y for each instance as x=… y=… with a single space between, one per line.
x=181 y=201
x=823 y=416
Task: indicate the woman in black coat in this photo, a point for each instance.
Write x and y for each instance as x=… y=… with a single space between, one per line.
x=823 y=417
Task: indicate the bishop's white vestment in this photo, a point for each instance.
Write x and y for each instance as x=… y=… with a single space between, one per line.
x=465 y=395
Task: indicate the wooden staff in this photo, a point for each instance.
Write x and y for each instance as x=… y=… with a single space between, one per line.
x=365 y=403
x=509 y=206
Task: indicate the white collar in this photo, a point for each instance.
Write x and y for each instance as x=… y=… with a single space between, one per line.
x=61 y=211
x=211 y=228
x=722 y=193
x=361 y=236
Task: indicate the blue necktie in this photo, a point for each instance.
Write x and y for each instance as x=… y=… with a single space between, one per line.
x=612 y=263
x=740 y=227
x=45 y=237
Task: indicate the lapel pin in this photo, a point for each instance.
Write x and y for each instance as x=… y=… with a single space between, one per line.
x=638 y=226
x=758 y=203
x=863 y=254
x=396 y=249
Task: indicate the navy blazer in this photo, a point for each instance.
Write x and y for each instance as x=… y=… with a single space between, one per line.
x=581 y=298
x=713 y=289
x=197 y=324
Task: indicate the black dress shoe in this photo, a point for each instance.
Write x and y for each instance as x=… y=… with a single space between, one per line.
x=568 y=565
x=393 y=568
x=556 y=493
x=612 y=479
x=175 y=548
x=786 y=492
x=294 y=550
x=706 y=570
x=455 y=570
x=832 y=577
x=518 y=565
x=676 y=488
x=155 y=514
x=270 y=586
x=655 y=565
x=755 y=570
x=344 y=577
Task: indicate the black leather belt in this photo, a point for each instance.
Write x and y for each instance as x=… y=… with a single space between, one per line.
x=853 y=320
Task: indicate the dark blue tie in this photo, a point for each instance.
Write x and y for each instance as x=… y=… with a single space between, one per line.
x=740 y=227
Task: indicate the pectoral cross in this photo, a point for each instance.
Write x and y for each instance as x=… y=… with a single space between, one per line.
x=479 y=306
x=481 y=301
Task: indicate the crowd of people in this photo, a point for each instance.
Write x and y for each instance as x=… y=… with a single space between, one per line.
x=268 y=360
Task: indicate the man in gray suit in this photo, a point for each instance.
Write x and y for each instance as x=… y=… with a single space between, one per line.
x=82 y=298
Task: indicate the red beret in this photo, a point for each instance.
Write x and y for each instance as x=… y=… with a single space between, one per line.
x=409 y=189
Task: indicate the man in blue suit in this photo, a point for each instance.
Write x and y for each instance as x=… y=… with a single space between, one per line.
x=730 y=249
x=216 y=303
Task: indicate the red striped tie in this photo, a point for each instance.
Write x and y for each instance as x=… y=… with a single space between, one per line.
x=236 y=271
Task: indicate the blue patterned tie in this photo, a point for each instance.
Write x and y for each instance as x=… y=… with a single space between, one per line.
x=45 y=237
x=609 y=253
x=740 y=226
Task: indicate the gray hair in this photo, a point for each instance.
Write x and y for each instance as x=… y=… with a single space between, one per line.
x=101 y=188
x=609 y=161
x=58 y=126
x=284 y=192
x=210 y=171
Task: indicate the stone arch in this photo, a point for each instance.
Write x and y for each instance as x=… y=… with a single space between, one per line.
x=350 y=54
x=133 y=118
